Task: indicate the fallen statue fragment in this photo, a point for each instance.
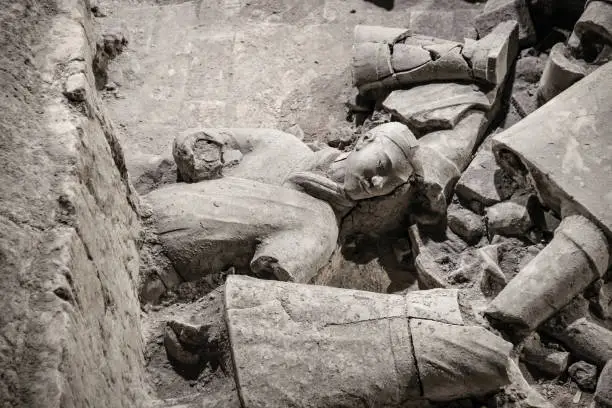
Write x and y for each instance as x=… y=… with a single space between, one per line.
x=314 y=346
x=563 y=151
x=390 y=58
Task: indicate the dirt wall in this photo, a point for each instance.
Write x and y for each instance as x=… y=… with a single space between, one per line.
x=69 y=323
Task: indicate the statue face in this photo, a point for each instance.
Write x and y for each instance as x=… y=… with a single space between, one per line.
x=376 y=167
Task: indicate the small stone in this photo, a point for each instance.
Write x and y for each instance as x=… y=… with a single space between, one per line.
x=316 y=145
x=176 y=351
x=584 y=374
x=75 y=87
x=465 y=223
x=547 y=360
x=603 y=394
x=508 y=218
x=529 y=68
x=152 y=290
x=341 y=137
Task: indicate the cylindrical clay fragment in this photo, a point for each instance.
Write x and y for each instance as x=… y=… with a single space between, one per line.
x=577 y=255
x=560 y=73
x=317 y=347
x=371 y=62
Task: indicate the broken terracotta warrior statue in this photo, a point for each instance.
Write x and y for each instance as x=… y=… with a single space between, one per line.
x=234 y=212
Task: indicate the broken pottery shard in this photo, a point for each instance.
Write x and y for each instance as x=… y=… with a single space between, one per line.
x=561 y=72
x=492 y=280
x=595 y=24
x=577 y=255
x=484 y=183
x=204 y=154
x=436 y=304
x=564 y=146
x=588 y=341
x=603 y=393
x=498 y=11
x=209 y=226
x=307 y=346
x=435 y=106
x=492 y=56
x=449 y=67
x=547 y=360
x=456 y=361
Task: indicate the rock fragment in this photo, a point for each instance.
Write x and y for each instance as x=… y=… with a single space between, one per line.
x=588 y=340
x=603 y=393
x=508 y=218
x=465 y=223
x=76 y=87
x=519 y=393
x=547 y=360
x=584 y=374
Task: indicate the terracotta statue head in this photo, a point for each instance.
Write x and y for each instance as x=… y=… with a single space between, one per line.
x=380 y=162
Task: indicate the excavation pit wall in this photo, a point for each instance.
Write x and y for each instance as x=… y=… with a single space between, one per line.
x=70 y=333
